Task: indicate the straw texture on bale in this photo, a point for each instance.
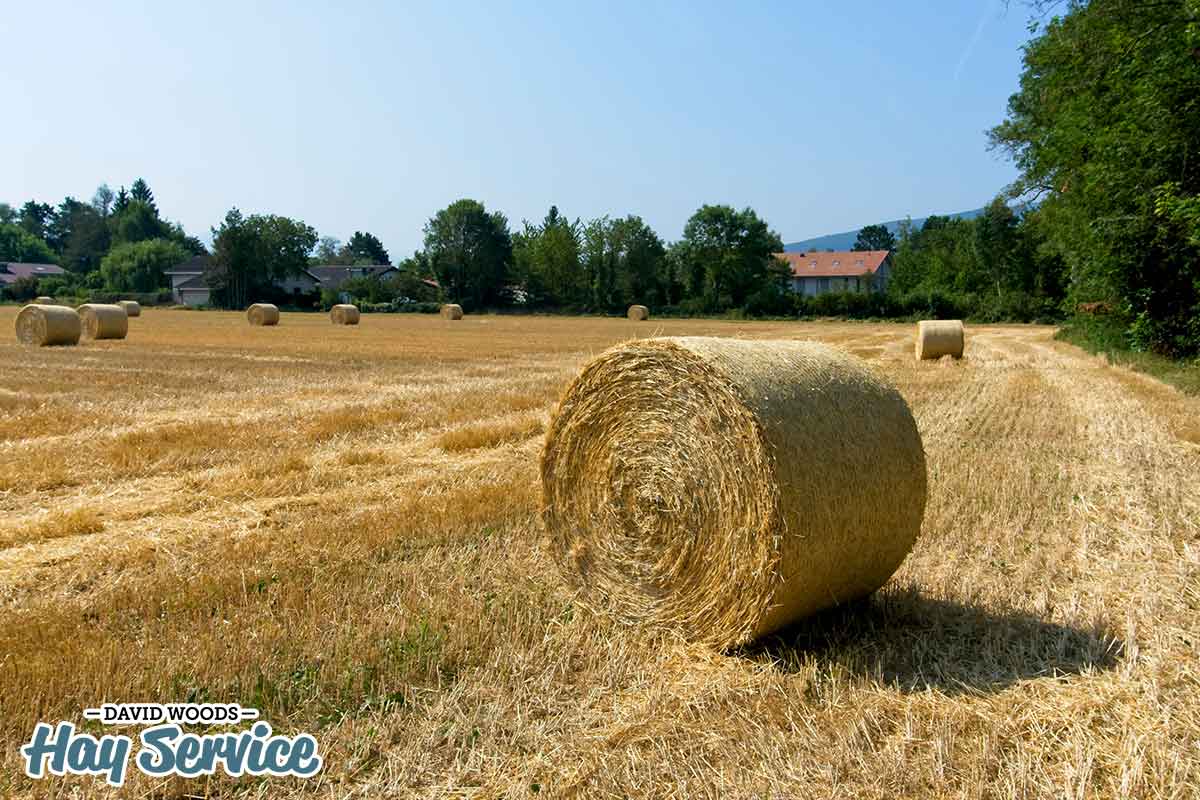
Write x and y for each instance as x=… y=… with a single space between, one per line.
x=725 y=488
x=47 y=325
x=44 y=301
x=638 y=313
x=452 y=311
x=132 y=307
x=937 y=338
x=344 y=314
x=263 y=314
x=103 y=321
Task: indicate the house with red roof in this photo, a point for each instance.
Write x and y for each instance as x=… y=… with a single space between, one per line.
x=815 y=273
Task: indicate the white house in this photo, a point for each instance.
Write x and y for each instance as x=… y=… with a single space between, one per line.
x=189 y=287
x=815 y=273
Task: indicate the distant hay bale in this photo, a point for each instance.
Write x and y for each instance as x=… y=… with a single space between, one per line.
x=103 y=321
x=43 y=300
x=132 y=307
x=263 y=314
x=48 y=325
x=344 y=314
x=638 y=313
x=452 y=311
x=726 y=488
x=940 y=337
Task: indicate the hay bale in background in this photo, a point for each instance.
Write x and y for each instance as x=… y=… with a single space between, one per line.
x=262 y=314
x=638 y=313
x=132 y=307
x=344 y=314
x=725 y=488
x=47 y=325
x=103 y=321
x=937 y=338
x=452 y=311
x=44 y=301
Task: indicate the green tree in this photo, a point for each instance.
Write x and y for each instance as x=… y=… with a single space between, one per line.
x=82 y=235
x=546 y=262
x=470 y=252
x=875 y=237
x=8 y=214
x=137 y=222
x=328 y=251
x=251 y=253
x=103 y=199
x=364 y=248
x=725 y=256
x=139 y=266
x=18 y=244
x=1105 y=125
x=36 y=218
x=140 y=193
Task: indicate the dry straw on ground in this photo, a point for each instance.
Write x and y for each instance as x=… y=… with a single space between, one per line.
x=48 y=325
x=262 y=314
x=937 y=338
x=344 y=314
x=43 y=300
x=727 y=488
x=638 y=313
x=103 y=321
x=132 y=307
x=452 y=311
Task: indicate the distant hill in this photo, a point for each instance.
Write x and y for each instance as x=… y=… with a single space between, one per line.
x=845 y=241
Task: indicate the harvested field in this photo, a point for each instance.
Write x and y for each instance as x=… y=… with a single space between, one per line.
x=343 y=532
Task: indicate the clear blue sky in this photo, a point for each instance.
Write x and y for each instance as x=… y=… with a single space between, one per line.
x=822 y=116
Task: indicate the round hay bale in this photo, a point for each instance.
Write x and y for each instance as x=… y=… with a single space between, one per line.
x=726 y=488
x=43 y=300
x=263 y=314
x=452 y=311
x=937 y=338
x=344 y=314
x=103 y=321
x=638 y=313
x=47 y=325
x=132 y=307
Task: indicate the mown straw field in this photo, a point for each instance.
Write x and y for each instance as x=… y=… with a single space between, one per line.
x=340 y=526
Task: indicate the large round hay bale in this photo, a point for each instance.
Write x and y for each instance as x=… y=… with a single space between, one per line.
x=43 y=300
x=638 y=313
x=263 y=314
x=725 y=488
x=344 y=314
x=452 y=311
x=940 y=337
x=103 y=321
x=47 y=325
x=132 y=307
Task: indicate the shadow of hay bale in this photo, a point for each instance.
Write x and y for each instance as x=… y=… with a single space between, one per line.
x=914 y=643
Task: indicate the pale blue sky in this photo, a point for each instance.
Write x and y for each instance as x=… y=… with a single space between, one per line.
x=371 y=116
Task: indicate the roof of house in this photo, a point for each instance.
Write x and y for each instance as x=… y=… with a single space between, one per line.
x=194 y=282
x=331 y=276
x=846 y=263
x=194 y=265
x=12 y=271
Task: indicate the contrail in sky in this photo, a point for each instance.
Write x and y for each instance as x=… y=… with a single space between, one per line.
x=988 y=5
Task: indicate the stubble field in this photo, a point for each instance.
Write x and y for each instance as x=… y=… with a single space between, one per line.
x=339 y=526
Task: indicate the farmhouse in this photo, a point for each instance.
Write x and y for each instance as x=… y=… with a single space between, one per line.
x=189 y=287
x=815 y=273
x=11 y=271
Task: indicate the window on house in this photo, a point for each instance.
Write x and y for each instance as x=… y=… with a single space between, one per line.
x=823 y=285
x=837 y=263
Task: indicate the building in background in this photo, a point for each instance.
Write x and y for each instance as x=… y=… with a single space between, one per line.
x=815 y=273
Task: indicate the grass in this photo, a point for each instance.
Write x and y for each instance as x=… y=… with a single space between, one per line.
x=1104 y=336
x=339 y=526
